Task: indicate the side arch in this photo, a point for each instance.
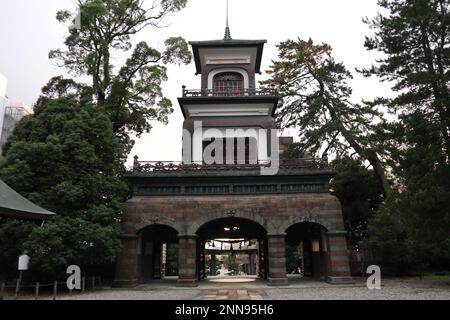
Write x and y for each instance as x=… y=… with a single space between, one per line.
x=147 y=220
x=304 y=217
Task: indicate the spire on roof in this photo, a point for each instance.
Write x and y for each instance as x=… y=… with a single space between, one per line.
x=227 y=28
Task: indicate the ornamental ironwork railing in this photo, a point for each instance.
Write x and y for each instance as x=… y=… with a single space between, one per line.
x=193 y=93
x=180 y=167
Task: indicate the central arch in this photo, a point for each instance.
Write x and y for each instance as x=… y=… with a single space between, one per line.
x=231 y=246
x=195 y=225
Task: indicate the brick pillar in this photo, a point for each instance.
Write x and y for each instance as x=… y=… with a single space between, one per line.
x=127 y=263
x=187 y=256
x=277 y=260
x=338 y=261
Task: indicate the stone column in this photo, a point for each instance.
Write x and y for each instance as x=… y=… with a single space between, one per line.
x=277 y=260
x=338 y=261
x=187 y=256
x=127 y=263
x=212 y=268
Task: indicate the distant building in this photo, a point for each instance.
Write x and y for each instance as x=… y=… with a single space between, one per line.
x=285 y=142
x=10 y=112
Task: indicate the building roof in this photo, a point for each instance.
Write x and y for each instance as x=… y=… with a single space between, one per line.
x=13 y=205
x=227 y=43
x=270 y=100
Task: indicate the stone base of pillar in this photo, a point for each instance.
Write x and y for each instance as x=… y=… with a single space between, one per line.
x=187 y=283
x=278 y=282
x=125 y=283
x=127 y=275
x=340 y=280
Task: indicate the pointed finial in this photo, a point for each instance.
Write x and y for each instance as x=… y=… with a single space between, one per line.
x=227 y=28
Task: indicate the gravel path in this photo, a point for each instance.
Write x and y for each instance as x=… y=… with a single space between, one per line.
x=391 y=290
x=360 y=293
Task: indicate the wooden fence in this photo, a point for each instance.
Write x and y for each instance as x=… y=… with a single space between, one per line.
x=14 y=290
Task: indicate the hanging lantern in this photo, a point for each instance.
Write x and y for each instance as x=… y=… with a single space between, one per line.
x=315 y=246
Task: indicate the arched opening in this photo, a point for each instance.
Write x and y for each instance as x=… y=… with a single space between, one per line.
x=306 y=251
x=158 y=252
x=228 y=84
x=232 y=250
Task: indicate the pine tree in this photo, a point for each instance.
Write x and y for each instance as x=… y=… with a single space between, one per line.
x=414 y=40
x=316 y=101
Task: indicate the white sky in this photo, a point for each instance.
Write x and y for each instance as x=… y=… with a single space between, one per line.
x=29 y=30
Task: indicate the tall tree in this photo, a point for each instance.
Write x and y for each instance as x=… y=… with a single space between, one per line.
x=66 y=158
x=131 y=94
x=411 y=228
x=316 y=100
x=414 y=38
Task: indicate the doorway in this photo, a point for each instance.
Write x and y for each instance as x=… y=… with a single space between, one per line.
x=232 y=248
x=158 y=253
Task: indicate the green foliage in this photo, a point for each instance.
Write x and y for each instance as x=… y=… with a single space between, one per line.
x=172 y=259
x=233 y=266
x=359 y=193
x=131 y=94
x=418 y=220
x=413 y=36
x=68 y=241
x=293 y=257
x=13 y=235
x=411 y=230
x=66 y=158
x=293 y=151
x=316 y=101
x=388 y=241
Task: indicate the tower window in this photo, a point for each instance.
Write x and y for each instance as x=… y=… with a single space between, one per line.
x=228 y=84
x=242 y=151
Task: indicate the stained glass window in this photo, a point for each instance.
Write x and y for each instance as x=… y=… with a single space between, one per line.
x=228 y=84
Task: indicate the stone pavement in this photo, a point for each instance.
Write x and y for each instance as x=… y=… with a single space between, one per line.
x=233 y=294
x=392 y=289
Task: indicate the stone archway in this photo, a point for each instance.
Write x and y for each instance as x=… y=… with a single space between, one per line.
x=157 y=252
x=130 y=263
x=306 y=250
x=276 y=213
x=250 y=215
x=249 y=254
x=146 y=220
x=327 y=247
x=307 y=217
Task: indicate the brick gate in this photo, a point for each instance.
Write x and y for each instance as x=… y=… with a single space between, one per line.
x=218 y=197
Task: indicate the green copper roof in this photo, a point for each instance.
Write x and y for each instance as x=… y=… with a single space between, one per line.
x=13 y=205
